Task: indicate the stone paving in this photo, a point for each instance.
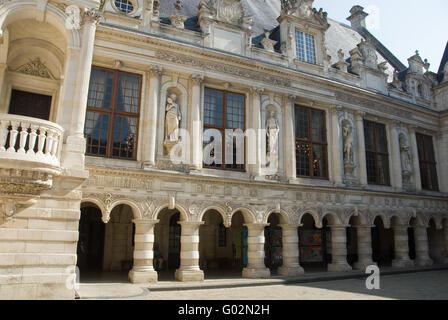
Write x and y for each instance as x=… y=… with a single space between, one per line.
x=424 y=285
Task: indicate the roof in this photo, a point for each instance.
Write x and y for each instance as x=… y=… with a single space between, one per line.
x=265 y=14
x=440 y=75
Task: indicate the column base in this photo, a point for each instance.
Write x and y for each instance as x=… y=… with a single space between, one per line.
x=143 y=276
x=260 y=273
x=405 y=263
x=189 y=275
x=362 y=265
x=339 y=267
x=291 y=271
x=424 y=262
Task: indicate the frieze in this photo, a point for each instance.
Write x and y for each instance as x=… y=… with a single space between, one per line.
x=215 y=67
x=119 y=182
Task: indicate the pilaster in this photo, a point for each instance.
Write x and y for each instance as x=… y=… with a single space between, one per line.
x=359 y=119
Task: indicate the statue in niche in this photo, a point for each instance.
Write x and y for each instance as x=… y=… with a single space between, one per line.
x=406 y=159
x=272 y=129
x=348 y=144
x=172 y=119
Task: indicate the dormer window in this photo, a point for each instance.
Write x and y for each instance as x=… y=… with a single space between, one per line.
x=305 y=48
x=125 y=6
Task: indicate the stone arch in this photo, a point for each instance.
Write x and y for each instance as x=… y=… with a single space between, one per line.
x=332 y=218
x=96 y=202
x=218 y=209
x=437 y=221
x=248 y=215
x=183 y=213
x=14 y=11
x=384 y=217
x=422 y=220
x=134 y=206
x=284 y=216
x=316 y=216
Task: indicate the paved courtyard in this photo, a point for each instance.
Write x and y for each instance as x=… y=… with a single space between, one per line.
x=423 y=285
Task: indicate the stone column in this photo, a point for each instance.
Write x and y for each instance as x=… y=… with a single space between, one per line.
x=415 y=159
x=289 y=138
x=195 y=126
x=90 y=21
x=75 y=146
x=339 y=249
x=397 y=180
x=255 y=252
x=338 y=167
x=402 y=259
x=422 y=258
x=254 y=152
x=359 y=118
x=143 y=269
x=150 y=118
x=189 y=253
x=290 y=242
x=364 y=234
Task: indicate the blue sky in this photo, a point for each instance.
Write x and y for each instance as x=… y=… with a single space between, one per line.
x=403 y=26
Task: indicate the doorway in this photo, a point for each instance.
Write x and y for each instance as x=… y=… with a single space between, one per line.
x=90 y=249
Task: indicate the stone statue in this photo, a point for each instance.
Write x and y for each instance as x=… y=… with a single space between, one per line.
x=348 y=144
x=272 y=130
x=303 y=7
x=406 y=159
x=172 y=119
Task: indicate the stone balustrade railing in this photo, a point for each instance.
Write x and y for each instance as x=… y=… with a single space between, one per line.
x=30 y=139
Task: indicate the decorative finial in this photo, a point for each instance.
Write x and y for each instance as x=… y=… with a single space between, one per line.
x=178 y=6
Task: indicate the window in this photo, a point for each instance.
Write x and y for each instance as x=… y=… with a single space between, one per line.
x=377 y=157
x=224 y=110
x=427 y=161
x=311 y=143
x=305 y=47
x=112 y=114
x=125 y=6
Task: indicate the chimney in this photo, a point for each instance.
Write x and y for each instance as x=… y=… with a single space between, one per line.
x=358 y=17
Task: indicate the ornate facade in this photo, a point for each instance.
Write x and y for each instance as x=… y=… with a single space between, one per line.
x=97 y=96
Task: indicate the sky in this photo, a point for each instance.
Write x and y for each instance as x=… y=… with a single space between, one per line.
x=403 y=26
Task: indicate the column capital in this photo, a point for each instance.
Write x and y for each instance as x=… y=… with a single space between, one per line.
x=338 y=226
x=360 y=115
x=197 y=78
x=363 y=226
x=191 y=223
x=91 y=17
x=256 y=225
x=144 y=221
x=256 y=90
x=290 y=226
x=155 y=70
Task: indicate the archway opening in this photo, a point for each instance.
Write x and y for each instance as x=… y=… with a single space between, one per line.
x=167 y=235
x=238 y=241
x=218 y=246
x=411 y=239
x=383 y=247
x=119 y=242
x=436 y=243
x=273 y=255
x=352 y=241
x=90 y=248
x=312 y=245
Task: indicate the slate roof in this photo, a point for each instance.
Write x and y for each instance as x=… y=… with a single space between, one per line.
x=442 y=64
x=265 y=14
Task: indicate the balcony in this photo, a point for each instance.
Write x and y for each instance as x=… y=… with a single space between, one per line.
x=29 y=155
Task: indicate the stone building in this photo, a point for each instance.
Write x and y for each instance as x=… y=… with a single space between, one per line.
x=109 y=115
